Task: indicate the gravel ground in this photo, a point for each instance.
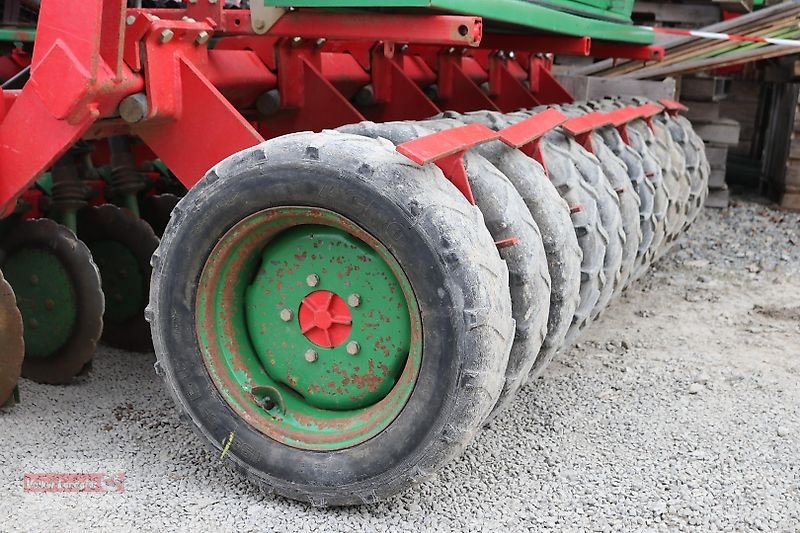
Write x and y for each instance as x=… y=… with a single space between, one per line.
x=680 y=410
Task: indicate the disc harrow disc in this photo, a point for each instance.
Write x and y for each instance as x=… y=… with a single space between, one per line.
x=156 y=210
x=121 y=245
x=59 y=295
x=11 y=341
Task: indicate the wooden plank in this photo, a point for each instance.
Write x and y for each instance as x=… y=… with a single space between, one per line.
x=718 y=198
x=591 y=88
x=701 y=111
x=717 y=156
x=711 y=89
x=716 y=180
x=791 y=200
x=726 y=60
x=724 y=131
x=726 y=26
x=696 y=14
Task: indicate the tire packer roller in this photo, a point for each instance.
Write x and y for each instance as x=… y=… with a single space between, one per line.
x=337 y=309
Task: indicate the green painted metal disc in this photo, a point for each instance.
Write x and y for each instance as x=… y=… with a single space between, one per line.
x=46 y=298
x=341 y=267
x=309 y=327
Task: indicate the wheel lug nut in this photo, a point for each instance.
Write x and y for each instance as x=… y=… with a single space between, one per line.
x=353 y=347
x=354 y=300
x=34 y=280
x=33 y=323
x=312 y=280
x=286 y=315
x=311 y=356
x=49 y=305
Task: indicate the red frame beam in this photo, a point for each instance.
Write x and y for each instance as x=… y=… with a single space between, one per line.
x=554 y=44
x=445 y=30
x=627 y=51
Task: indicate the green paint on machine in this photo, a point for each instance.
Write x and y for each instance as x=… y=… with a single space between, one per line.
x=309 y=327
x=354 y=362
x=598 y=19
x=46 y=299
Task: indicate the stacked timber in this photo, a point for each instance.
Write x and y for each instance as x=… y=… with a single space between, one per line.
x=703 y=96
x=791 y=192
x=690 y=54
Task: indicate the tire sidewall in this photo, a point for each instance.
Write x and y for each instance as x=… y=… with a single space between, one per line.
x=385 y=215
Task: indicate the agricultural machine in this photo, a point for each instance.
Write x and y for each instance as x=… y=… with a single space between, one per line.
x=355 y=228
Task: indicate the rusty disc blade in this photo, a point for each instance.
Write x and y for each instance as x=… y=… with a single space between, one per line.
x=11 y=341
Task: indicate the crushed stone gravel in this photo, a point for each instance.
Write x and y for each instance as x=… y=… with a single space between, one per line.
x=678 y=411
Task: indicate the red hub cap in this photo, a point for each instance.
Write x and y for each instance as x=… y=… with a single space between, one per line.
x=325 y=319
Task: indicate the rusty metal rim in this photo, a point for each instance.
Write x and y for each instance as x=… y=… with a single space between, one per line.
x=228 y=359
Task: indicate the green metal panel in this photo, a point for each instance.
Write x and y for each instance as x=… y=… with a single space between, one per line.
x=525 y=15
x=21 y=35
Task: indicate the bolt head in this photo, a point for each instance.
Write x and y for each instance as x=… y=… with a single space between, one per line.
x=166 y=36
x=312 y=280
x=130 y=20
x=134 y=108
x=354 y=300
x=202 y=37
x=353 y=347
x=311 y=356
x=286 y=315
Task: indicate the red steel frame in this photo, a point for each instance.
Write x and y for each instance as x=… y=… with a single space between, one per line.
x=197 y=105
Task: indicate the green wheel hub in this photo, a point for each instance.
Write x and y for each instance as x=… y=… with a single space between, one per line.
x=123 y=282
x=309 y=327
x=46 y=299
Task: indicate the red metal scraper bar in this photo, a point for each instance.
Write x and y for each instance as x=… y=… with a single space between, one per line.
x=673 y=107
x=581 y=128
x=619 y=118
x=446 y=149
x=647 y=111
x=527 y=135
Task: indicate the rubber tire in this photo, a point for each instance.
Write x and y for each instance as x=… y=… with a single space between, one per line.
x=506 y=216
x=592 y=237
x=643 y=187
x=673 y=167
x=79 y=350
x=608 y=208
x=457 y=275
x=696 y=163
x=654 y=174
x=12 y=341
x=109 y=222
x=552 y=214
x=616 y=172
